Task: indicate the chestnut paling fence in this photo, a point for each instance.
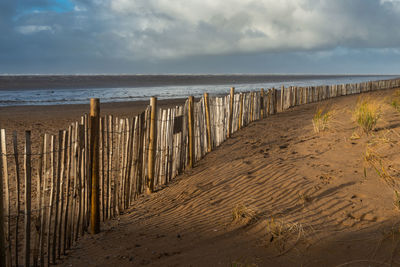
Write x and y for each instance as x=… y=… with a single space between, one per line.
x=96 y=168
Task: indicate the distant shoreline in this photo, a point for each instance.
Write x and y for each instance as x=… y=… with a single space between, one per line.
x=27 y=82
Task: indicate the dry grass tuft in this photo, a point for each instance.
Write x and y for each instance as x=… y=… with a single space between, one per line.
x=367 y=114
x=392 y=235
x=355 y=136
x=321 y=120
x=243 y=214
x=395 y=102
x=381 y=167
x=284 y=235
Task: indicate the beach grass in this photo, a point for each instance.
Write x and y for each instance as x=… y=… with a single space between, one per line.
x=242 y=214
x=366 y=114
x=321 y=120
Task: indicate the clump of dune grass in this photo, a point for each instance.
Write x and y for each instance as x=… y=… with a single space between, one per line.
x=381 y=167
x=395 y=101
x=392 y=234
x=366 y=114
x=242 y=214
x=284 y=235
x=321 y=120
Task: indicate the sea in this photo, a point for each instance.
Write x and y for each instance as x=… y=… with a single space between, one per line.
x=80 y=93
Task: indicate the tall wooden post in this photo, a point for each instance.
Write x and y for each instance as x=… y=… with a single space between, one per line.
x=262 y=103
x=241 y=111
x=251 y=106
x=208 y=123
x=28 y=197
x=152 y=145
x=282 y=97
x=94 y=164
x=2 y=237
x=269 y=103
x=232 y=96
x=191 y=131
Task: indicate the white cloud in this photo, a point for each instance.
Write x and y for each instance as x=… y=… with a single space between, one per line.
x=31 y=29
x=175 y=29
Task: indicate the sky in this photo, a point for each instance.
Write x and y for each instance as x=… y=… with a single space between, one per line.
x=199 y=36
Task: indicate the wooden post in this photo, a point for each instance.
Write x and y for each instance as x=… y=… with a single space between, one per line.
x=262 y=103
x=51 y=198
x=251 y=106
x=232 y=95
x=28 y=197
x=269 y=102
x=208 y=122
x=282 y=97
x=2 y=237
x=94 y=162
x=241 y=111
x=152 y=144
x=57 y=197
x=17 y=179
x=36 y=246
x=62 y=181
x=191 y=131
x=6 y=195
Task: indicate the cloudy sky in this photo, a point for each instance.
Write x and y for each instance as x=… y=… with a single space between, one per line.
x=200 y=36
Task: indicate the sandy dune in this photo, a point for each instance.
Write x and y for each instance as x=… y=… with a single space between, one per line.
x=305 y=198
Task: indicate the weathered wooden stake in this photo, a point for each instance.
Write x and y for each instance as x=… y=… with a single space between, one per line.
x=208 y=122
x=230 y=119
x=275 y=100
x=191 y=131
x=269 y=102
x=262 y=103
x=2 y=239
x=241 y=111
x=57 y=197
x=230 y=112
x=17 y=179
x=251 y=106
x=6 y=195
x=28 y=197
x=94 y=162
x=152 y=145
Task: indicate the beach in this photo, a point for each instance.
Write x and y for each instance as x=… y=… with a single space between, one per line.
x=279 y=169
x=309 y=199
x=300 y=197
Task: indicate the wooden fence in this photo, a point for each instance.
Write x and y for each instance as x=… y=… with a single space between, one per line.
x=47 y=194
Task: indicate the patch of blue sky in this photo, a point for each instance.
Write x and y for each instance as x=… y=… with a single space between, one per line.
x=58 y=6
